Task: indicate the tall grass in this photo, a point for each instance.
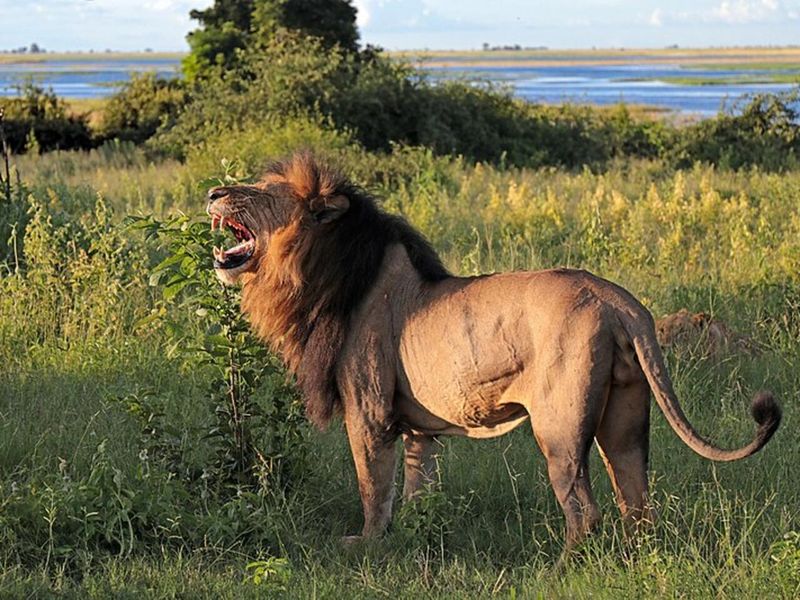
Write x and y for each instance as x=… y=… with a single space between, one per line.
x=89 y=506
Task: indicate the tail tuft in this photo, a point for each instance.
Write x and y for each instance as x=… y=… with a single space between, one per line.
x=766 y=412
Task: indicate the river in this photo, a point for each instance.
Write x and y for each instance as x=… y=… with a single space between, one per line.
x=673 y=87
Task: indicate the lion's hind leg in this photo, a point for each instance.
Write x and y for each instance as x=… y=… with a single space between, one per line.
x=420 y=463
x=565 y=415
x=623 y=438
x=568 y=469
x=565 y=436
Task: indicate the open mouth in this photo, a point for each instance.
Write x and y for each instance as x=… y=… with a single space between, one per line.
x=240 y=253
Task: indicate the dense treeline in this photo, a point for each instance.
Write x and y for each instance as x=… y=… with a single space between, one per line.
x=384 y=103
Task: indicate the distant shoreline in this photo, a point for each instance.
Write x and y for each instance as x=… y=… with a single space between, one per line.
x=8 y=58
x=667 y=78
x=764 y=56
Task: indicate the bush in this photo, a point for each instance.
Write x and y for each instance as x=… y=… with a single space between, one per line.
x=258 y=446
x=763 y=132
x=38 y=120
x=144 y=104
x=382 y=102
x=283 y=82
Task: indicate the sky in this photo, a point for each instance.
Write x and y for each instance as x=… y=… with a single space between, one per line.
x=432 y=24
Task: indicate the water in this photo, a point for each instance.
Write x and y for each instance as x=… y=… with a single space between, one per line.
x=631 y=83
x=638 y=83
x=86 y=78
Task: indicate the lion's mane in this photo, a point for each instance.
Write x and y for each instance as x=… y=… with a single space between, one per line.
x=316 y=275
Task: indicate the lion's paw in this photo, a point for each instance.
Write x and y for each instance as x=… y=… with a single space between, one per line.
x=352 y=540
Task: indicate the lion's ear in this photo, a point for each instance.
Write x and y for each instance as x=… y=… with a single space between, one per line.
x=325 y=210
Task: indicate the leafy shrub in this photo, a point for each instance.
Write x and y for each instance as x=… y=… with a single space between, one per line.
x=271 y=575
x=61 y=261
x=282 y=82
x=255 y=444
x=144 y=104
x=763 y=131
x=266 y=140
x=430 y=518
x=38 y=120
x=382 y=102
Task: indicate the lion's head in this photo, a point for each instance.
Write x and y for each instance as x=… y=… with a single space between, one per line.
x=274 y=215
x=309 y=245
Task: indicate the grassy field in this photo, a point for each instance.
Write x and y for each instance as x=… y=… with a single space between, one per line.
x=90 y=57
x=705 y=58
x=735 y=80
x=86 y=511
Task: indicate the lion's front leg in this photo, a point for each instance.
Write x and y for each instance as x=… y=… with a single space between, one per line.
x=374 y=457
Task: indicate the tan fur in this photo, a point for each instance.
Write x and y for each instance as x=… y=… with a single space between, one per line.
x=702 y=333
x=360 y=307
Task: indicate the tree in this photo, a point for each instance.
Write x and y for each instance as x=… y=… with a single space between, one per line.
x=224 y=28
x=238 y=12
x=230 y=26
x=332 y=21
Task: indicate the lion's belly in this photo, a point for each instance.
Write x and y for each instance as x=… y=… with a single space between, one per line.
x=464 y=367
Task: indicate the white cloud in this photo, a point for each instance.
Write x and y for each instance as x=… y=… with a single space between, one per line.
x=159 y=5
x=727 y=12
x=743 y=11
x=656 y=18
x=364 y=12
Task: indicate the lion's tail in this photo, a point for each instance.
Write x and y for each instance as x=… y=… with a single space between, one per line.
x=764 y=408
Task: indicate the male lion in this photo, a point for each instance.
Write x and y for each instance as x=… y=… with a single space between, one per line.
x=363 y=312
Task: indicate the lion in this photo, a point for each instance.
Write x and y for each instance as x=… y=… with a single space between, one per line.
x=704 y=334
x=375 y=328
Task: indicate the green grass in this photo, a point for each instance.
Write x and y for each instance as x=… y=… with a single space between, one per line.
x=734 y=80
x=702 y=58
x=71 y=341
x=756 y=64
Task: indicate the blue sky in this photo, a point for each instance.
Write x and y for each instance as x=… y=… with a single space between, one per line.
x=395 y=24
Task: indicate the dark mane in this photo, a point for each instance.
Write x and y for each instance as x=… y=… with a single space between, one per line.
x=333 y=265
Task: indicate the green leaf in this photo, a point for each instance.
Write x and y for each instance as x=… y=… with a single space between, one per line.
x=218 y=340
x=168 y=262
x=174 y=289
